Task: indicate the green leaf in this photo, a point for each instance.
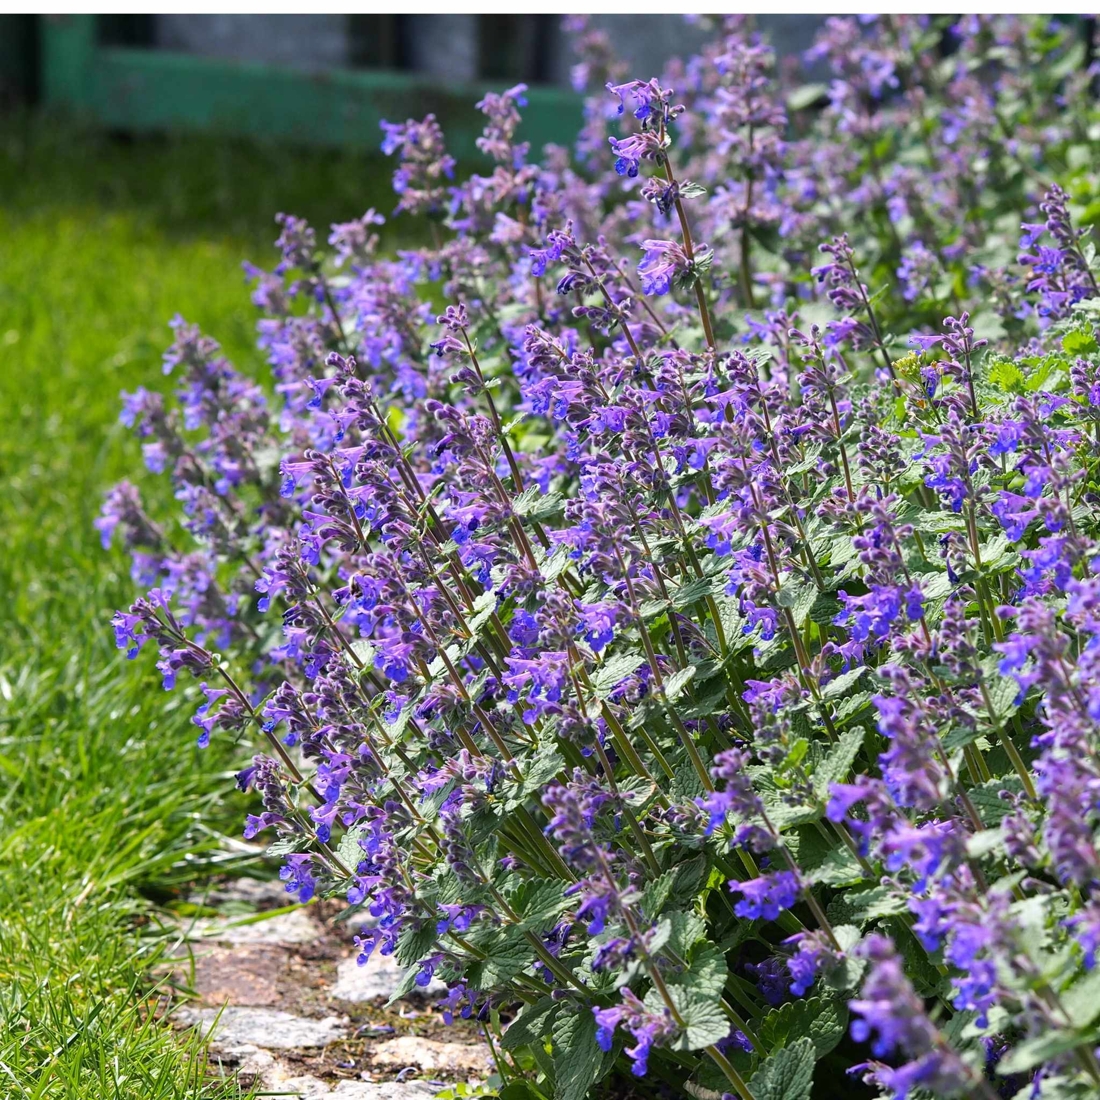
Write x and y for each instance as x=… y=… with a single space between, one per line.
x=1078 y=342
x=656 y=894
x=852 y=705
x=840 y=684
x=692 y=592
x=405 y=986
x=348 y=851
x=540 y=769
x=707 y=974
x=806 y=95
x=1003 y=691
x=958 y=737
x=845 y=973
x=704 y=1021
x=982 y=843
x=531 y=1025
x=799 y=597
x=535 y=504
x=836 y=765
x=614 y=671
x=414 y=944
x=687 y=930
x=839 y=868
x=519 y=1090
x=1082 y=1000
x=1061 y=1087
x=691 y=190
x=787 y=1075
x=677 y=683
x=825 y=609
x=821 y=1020
x=577 y=1056
x=866 y=905
x=539 y=903
x=484 y=606
x=506 y=958
x=689 y=877
x=988 y=801
x=1006 y=376
x=1041 y=1048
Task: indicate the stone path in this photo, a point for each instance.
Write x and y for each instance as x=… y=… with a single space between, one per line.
x=290 y=1010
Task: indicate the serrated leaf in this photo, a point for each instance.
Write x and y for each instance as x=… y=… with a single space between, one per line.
x=839 y=868
x=704 y=1021
x=691 y=190
x=821 y=1020
x=413 y=944
x=539 y=903
x=614 y=671
x=788 y=1074
x=1003 y=693
x=692 y=592
x=934 y=586
x=533 y=503
x=285 y=845
x=687 y=929
x=825 y=609
x=865 y=905
x=656 y=894
x=531 y=1025
x=838 y=762
x=798 y=597
x=577 y=1056
x=840 y=684
x=687 y=879
x=539 y=770
x=484 y=606
x=1082 y=1000
x=845 y=972
x=677 y=683
x=981 y=844
x=707 y=973
x=987 y=798
x=959 y=736
x=686 y=782
x=365 y=652
x=852 y=705
x=1041 y=1048
x=348 y=851
x=508 y=956
x=710 y=696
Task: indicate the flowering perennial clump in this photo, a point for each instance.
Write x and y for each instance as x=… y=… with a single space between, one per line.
x=669 y=602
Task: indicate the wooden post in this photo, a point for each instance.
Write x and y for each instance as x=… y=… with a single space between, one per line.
x=68 y=56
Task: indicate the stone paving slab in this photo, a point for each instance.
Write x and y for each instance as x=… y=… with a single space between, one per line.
x=295 y=927
x=289 y=1010
x=237 y=1026
x=429 y=1055
x=239 y=975
x=376 y=979
x=260 y=1067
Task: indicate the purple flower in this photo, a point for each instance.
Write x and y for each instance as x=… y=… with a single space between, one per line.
x=663 y=264
x=766 y=897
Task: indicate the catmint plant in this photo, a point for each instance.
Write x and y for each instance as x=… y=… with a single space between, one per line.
x=665 y=607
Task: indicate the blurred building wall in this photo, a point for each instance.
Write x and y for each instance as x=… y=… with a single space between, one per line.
x=313 y=42
x=452 y=48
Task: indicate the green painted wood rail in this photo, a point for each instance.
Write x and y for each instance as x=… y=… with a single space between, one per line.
x=157 y=90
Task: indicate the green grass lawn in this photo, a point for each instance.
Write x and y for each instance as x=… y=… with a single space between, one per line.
x=105 y=802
